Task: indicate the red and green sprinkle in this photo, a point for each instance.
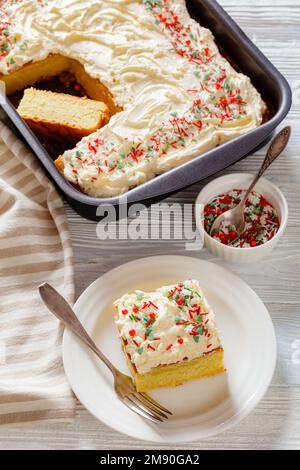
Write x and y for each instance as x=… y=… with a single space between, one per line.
x=191 y=319
x=262 y=221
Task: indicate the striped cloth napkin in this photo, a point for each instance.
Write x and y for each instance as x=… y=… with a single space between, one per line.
x=34 y=247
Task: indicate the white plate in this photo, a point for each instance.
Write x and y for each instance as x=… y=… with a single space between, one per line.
x=201 y=407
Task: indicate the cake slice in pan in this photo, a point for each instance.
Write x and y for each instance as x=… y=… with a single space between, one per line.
x=169 y=335
x=62 y=116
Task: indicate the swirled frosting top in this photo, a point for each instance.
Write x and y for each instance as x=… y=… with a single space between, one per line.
x=166 y=326
x=179 y=96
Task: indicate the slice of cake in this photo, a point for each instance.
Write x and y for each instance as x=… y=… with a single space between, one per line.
x=62 y=116
x=169 y=335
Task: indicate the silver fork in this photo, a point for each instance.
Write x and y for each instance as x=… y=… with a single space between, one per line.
x=124 y=386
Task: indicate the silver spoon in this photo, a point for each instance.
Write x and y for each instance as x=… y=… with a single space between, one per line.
x=235 y=216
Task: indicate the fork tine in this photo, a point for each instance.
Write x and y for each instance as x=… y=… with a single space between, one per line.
x=145 y=414
x=147 y=407
x=154 y=403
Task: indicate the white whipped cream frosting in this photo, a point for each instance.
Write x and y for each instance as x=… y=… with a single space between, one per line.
x=122 y=43
x=169 y=340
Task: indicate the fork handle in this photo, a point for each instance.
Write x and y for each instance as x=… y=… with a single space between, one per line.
x=62 y=310
x=276 y=147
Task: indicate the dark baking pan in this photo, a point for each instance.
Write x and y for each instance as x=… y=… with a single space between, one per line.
x=247 y=58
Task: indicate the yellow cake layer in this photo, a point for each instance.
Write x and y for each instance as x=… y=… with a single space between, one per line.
x=59 y=163
x=60 y=115
x=176 y=374
x=52 y=66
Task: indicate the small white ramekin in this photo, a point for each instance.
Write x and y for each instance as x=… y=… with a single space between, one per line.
x=241 y=181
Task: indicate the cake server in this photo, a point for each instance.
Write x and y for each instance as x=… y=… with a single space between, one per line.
x=140 y=403
x=235 y=216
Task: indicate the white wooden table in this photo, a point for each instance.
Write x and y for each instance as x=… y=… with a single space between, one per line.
x=274 y=25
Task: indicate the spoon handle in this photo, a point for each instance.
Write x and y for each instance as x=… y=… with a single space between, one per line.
x=62 y=310
x=276 y=147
